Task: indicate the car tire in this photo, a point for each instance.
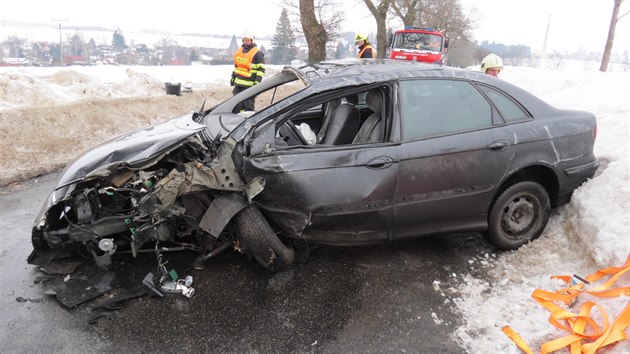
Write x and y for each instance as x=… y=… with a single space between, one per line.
x=258 y=239
x=518 y=215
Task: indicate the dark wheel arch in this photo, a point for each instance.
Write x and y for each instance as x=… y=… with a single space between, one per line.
x=518 y=215
x=258 y=239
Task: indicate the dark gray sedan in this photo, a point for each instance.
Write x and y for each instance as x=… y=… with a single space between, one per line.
x=338 y=153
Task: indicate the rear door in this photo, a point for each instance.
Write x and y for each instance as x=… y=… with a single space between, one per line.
x=455 y=151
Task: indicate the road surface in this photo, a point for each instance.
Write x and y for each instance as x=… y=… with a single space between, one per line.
x=387 y=298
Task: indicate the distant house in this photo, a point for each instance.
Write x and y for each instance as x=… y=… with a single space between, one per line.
x=27 y=61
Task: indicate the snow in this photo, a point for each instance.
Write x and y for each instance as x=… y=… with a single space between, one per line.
x=590 y=233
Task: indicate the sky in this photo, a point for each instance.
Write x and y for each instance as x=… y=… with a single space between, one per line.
x=573 y=24
x=590 y=233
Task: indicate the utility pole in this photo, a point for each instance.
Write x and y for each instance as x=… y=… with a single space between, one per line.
x=544 y=49
x=60 y=41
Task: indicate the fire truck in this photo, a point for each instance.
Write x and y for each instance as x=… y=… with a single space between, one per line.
x=420 y=44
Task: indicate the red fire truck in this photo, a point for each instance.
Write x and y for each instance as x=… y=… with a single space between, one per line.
x=420 y=44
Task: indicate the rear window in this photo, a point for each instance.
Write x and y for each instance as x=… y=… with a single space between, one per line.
x=508 y=109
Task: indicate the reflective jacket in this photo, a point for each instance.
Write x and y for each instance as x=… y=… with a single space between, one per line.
x=367 y=51
x=249 y=67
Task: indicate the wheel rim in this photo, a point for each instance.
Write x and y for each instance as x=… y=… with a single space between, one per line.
x=519 y=215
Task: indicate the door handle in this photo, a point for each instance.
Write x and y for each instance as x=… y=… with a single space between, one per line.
x=380 y=162
x=498 y=145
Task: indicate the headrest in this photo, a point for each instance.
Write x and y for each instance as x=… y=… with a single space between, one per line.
x=373 y=100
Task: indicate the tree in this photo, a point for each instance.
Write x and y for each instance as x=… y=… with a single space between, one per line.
x=314 y=31
x=233 y=47
x=408 y=10
x=320 y=22
x=15 y=45
x=342 y=50
x=379 y=11
x=168 y=50
x=118 y=40
x=283 y=48
x=611 y=35
x=77 y=46
x=448 y=16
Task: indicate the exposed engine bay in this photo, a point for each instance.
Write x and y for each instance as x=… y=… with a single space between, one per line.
x=155 y=209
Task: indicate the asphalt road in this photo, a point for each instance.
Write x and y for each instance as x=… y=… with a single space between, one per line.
x=388 y=298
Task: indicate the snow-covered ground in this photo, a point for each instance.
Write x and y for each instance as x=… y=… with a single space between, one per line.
x=591 y=233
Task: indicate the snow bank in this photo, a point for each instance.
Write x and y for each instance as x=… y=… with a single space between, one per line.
x=591 y=233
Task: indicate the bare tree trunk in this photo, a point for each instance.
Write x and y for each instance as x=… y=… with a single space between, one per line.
x=314 y=32
x=380 y=15
x=611 y=37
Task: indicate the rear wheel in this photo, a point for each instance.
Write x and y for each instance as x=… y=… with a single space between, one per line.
x=258 y=239
x=518 y=215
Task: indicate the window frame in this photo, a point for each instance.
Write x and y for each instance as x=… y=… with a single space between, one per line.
x=495 y=117
x=528 y=116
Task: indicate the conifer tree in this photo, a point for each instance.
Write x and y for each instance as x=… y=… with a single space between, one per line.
x=233 y=46
x=283 y=48
x=118 y=40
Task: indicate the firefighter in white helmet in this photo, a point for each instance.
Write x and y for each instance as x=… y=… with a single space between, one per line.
x=492 y=65
x=249 y=70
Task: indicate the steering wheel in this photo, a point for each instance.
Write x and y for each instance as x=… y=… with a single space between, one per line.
x=291 y=134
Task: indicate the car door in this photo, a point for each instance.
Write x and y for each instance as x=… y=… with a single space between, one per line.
x=346 y=191
x=455 y=150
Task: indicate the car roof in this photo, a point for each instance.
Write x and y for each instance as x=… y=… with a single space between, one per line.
x=331 y=74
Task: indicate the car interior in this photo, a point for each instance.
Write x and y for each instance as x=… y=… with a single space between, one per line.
x=356 y=118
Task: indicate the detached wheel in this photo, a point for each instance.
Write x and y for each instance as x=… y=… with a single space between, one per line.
x=518 y=215
x=258 y=239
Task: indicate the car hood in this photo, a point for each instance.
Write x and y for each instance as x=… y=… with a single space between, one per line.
x=129 y=149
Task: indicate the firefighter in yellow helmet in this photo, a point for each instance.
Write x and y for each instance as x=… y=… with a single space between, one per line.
x=249 y=70
x=492 y=65
x=366 y=51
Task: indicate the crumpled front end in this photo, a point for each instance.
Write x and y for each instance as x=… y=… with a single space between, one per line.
x=157 y=206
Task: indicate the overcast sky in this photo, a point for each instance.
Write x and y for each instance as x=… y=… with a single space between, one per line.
x=572 y=23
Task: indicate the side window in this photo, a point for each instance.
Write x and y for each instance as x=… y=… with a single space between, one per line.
x=349 y=117
x=509 y=110
x=438 y=107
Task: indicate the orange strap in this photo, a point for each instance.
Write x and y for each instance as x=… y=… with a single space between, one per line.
x=581 y=326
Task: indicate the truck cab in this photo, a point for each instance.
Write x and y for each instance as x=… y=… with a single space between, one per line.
x=420 y=44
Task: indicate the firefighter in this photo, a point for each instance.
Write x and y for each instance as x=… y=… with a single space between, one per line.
x=492 y=65
x=249 y=70
x=366 y=51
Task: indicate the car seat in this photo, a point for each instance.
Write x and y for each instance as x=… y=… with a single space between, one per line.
x=343 y=123
x=372 y=129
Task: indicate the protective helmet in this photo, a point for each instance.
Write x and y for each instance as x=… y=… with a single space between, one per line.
x=248 y=36
x=491 y=61
x=360 y=37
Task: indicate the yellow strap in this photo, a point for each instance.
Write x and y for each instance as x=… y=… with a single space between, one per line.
x=517 y=339
x=581 y=326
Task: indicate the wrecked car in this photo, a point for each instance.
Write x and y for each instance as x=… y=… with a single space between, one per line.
x=338 y=153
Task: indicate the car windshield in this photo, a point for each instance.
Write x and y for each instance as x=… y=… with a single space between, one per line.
x=423 y=41
x=277 y=93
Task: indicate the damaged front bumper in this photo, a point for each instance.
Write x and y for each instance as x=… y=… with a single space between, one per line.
x=181 y=199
